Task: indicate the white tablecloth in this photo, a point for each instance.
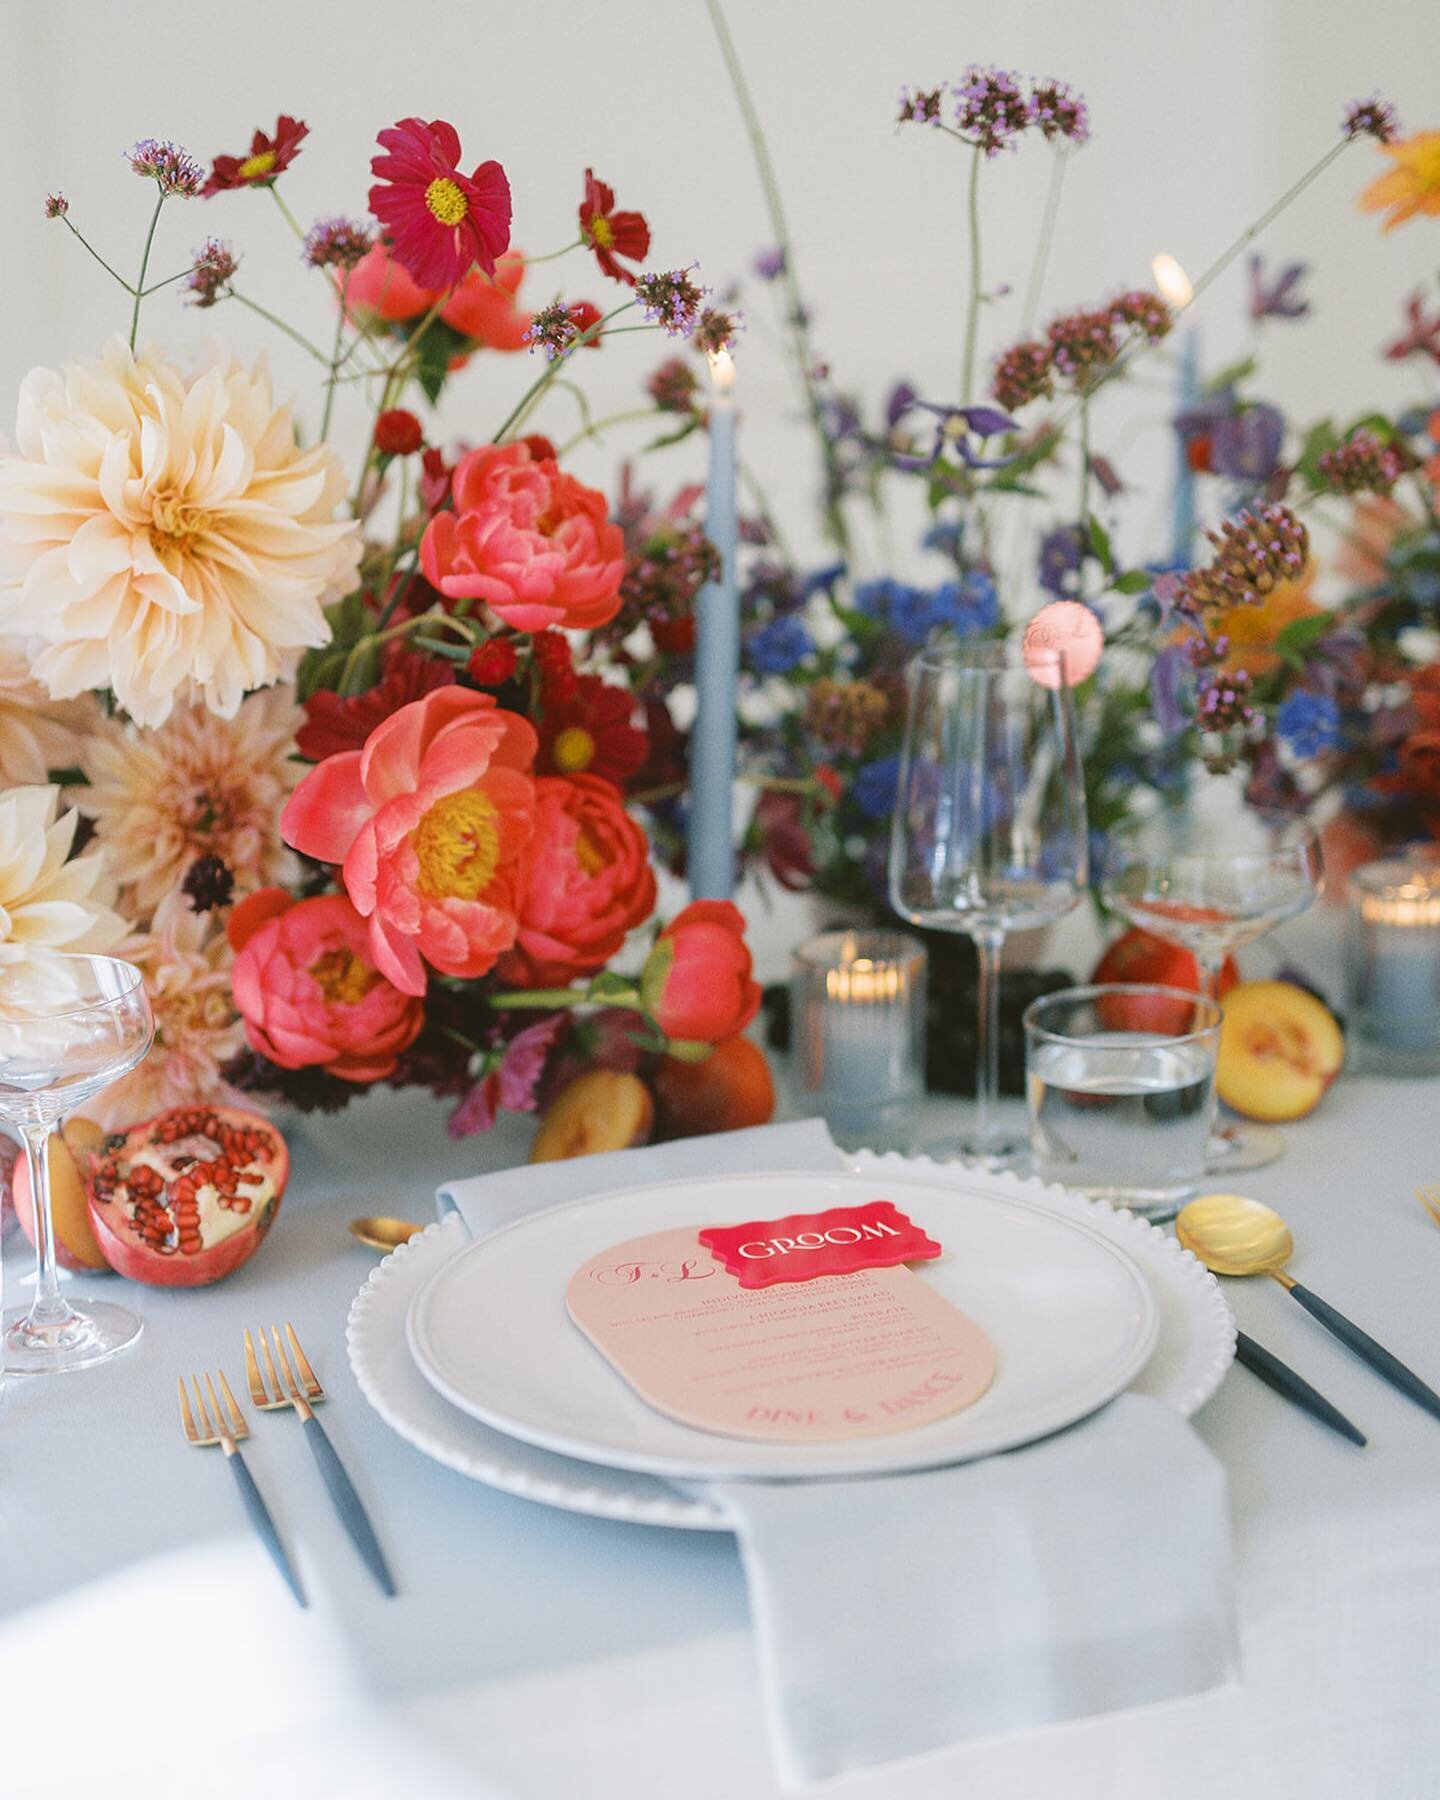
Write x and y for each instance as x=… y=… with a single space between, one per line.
x=533 y=1654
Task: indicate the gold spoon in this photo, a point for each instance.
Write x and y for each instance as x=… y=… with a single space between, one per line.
x=1235 y=1236
x=384 y=1234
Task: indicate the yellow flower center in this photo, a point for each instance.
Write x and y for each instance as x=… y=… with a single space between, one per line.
x=253 y=166
x=341 y=976
x=458 y=844
x=573 y=750
x=446 y=201
x=602 y=233
x=174 y=521
x=589 y=854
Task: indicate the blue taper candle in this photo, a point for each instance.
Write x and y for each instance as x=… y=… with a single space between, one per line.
x=717 y=661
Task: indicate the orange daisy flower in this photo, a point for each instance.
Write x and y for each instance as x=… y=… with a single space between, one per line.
x=1412 y=186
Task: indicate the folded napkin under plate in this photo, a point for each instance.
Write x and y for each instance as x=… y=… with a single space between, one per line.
x=897 y=1615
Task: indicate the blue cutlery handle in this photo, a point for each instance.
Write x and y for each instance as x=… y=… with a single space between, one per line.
x=264 y=1525
x=1365 y=1347
x=348 y=1504
x=1280 y=1376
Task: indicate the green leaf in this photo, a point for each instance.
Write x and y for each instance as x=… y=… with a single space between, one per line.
x=439 y=346
x=1230 y=376
x=1100 y=543
x=667 y=438
x=610 y=989
x=1133 y=581
x=1300 y=635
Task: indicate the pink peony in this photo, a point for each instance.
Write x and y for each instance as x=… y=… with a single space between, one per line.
x=481 y=308
x=529 y=540
x=590 y=883
x=432 y=822
x=309 y=993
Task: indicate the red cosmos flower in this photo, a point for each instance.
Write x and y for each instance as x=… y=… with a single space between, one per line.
x=590 y=884
x=268 y=156
x=439 y=221
x=593 y=733
x=335 y=722
x=308 y=991
x=609 y=233
x=532 y=542
x=697 y=983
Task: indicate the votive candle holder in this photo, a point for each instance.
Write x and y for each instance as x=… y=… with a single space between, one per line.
x=1392 y=962
x=858 y=1012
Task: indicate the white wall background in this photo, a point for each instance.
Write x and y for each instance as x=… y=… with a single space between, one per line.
x=1204 y=111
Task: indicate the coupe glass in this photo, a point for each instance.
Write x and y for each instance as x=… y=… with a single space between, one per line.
x=69 y=1026
x=1212 y=883
x=989 y=831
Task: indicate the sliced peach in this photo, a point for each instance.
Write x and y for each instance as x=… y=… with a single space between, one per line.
x=76 y=1246
x=1280 y=1048
x=731 y=1088
x=602 y=1109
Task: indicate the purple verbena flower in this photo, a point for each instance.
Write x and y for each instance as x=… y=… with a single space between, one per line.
x=1024 y=372
x=920 y=106
x=1144 y=311
x=990 y=110
x=337 y=242
x=215 y=263
x=671 y=299
x=716 y=331
x=173 y=167
x=1374 y=118
x=769 y=265
x=56 y=206
x=1363 y=464
x=1059 y=111
x=553 y=329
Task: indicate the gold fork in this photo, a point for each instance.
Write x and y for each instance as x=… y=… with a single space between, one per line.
x=287 y=1388
x=1429 y=1198
x=229 y=1430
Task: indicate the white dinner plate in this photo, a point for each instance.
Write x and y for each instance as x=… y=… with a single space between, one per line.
x=1071 y=1318
x=1196 y=1346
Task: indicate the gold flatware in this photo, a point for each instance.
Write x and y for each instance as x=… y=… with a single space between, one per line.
x=1429 y=1198
x=295 y=1384
x=211 y=1425
x=1233 y=1235
x=383 y=1233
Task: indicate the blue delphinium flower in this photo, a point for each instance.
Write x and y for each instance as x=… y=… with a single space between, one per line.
x=914 y=613
x=777 y=647
x=971 y=604
x=875 y=786
x=1308 y=723
x=873 y=597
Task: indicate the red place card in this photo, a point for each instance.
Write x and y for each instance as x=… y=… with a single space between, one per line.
x=805 y=1245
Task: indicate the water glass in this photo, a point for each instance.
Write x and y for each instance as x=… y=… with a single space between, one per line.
x=1120 y=1081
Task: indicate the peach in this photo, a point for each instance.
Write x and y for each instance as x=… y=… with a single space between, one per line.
x=603 y=1109
x=1280 y=1049
x=76 y=1246
x=731 y=1088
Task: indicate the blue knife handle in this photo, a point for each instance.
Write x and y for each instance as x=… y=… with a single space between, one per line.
x=1365 y=1347
x=1280 y=1376
x=348 y=1504
x=264 y=1525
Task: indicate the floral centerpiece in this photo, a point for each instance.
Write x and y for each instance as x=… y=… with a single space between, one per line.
x=348 y=748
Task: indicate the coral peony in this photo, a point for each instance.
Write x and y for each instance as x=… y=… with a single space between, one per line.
x=157 y=531
x=432 y=821
x=381 y=288
x=308 y=992
x=440 y=222
x=185 y=960
x=697 y=983
x=199 y=786
x=590 y=883
x=531 y=541
x=487 y=309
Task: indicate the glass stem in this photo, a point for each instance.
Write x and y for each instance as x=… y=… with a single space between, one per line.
x=49 y=1307
x=987 y=1067
x=1210 y=967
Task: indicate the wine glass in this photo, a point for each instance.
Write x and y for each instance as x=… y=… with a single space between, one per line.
x=69 y=1026
x=989 y=832
x=1212 y=882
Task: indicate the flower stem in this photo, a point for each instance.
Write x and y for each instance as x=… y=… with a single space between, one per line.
x=554 y=255
x=113 y=273
x=527 y=401
x=536 y=999
x=972 y=317
x=280 y=325
x=594 y=429
x=335 y=358
x=1083 y=517
x=285 y=212
x=139 y=288
x=800 y=348
x=1043 y=243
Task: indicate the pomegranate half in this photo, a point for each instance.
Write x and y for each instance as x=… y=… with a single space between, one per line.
x=185 y=1198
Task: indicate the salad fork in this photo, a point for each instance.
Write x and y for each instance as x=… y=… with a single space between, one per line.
x=228 y=1430
x=282 y=1386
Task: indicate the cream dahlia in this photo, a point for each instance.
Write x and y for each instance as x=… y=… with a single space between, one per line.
x=197 y=786
x=158 y=530
x=185 y=958
x=47 y=902
x=37 y=734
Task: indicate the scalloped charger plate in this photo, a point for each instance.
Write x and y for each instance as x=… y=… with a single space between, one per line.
x=1194 y=1348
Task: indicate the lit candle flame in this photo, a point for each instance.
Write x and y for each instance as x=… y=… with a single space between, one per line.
x=1172 y=281
x=722 y=369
